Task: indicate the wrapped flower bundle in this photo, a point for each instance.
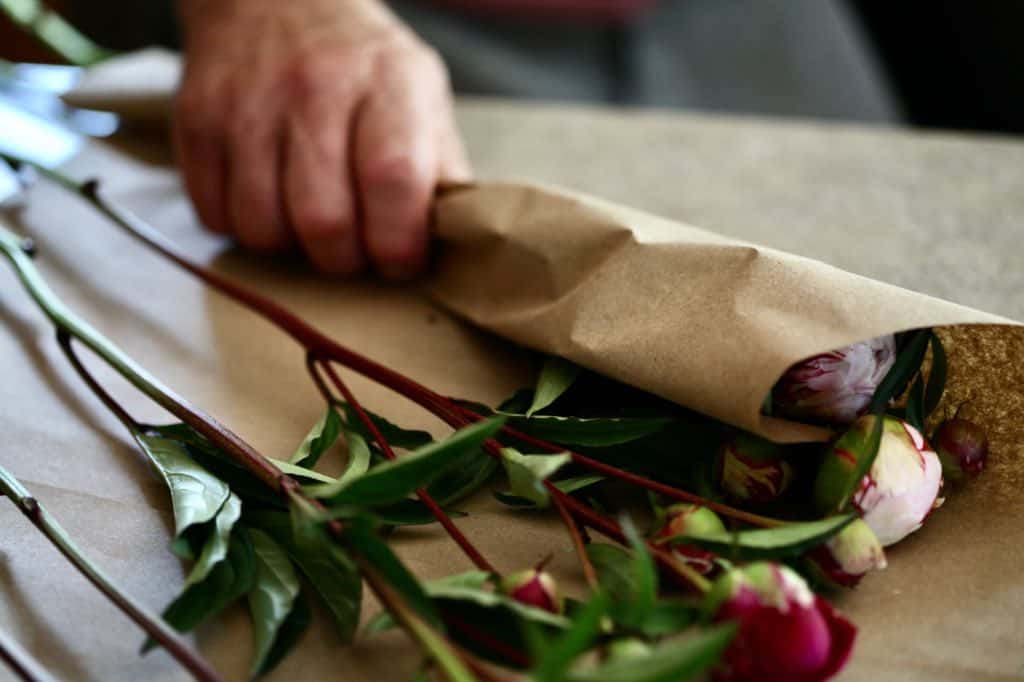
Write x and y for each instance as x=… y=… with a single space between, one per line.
x=722 y=566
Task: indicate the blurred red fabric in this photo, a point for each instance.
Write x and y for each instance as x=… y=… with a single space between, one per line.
x=590 y=10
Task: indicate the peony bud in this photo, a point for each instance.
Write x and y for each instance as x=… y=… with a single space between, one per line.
x=835 y=387
x=899 y=491
x=625 y=649
x=785 y=633
x=534 y=587
x=691 y=520
x=848 y=556
x=962 y=447
x=753 y=470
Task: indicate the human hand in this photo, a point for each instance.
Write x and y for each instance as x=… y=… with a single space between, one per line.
x=325 y=123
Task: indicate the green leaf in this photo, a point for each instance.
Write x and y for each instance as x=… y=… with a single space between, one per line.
x=566 y=485
x=488 y=599
x=228 y=581
x=587 y=431
x=517 y=403
x=196 y=495
x=396 y=436
x=556 y=376
x=496 y=622
x=217 y=544
x=936 y=377
x=319 y=439
x=644 y=577
x=272 y=596
x=614 y=569
x=395 y=480
x=915 y=404
x=527 y=473
x=907 y=364
x=406 y=512
x=463 y=480
x=864 y=463
x=770 y=543
x=360 y=532
x=571 y=485
x=332 y=574
x=359 y=456
x=470 y=579
x=556 y=660
x=669 y=617
x=676 y=660
x=289 y=633
x=629 y=578
x=219 y=464
x=301 y=473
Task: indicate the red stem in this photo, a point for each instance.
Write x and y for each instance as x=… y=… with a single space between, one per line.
x=325 y=348
x=174 y=644
x=631 y=478
x=589 y=572
x=457 y=535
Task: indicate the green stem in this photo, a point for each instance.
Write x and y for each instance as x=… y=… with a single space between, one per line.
x=21 y=662
x=326 y=350
x=154 y=626
x=49 y=28
x=429 y=640
x=65 y=320
x=70 y=325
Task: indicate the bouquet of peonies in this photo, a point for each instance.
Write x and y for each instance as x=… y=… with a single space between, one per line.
x=706 y=548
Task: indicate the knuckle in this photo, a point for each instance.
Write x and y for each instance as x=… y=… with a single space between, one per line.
x=317 y=223
x=433 y=60
x=399 y=175
x=314 y=73
x=413 y=59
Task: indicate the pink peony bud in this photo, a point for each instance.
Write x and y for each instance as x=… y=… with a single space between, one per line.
x=785 y=633
x=848 y=556
x=753 y=470
x=691 y=520
x=836 y=387
x=962 y=447
x=534 y=587
x=899 y=491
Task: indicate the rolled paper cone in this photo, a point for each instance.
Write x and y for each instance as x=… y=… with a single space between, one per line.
x=700 y=319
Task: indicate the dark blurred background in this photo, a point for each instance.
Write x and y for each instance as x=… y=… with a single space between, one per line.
x=948 y=64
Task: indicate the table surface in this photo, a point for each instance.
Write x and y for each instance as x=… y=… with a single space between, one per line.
x=938 y=213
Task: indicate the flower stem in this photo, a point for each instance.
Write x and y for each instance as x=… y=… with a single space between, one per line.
x=633 y=479
x=231 y=444
x=154 y=626
x=589 y=572
x=21 y=662
x=439 y=648
x=446 y=522
x=326 y=349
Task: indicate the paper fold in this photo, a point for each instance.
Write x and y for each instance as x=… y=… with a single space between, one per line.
x=700 y=319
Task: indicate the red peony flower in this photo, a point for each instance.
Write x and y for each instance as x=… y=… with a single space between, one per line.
x=785 y=632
